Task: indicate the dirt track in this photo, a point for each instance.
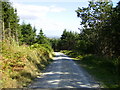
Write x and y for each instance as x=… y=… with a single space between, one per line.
x=64 y=73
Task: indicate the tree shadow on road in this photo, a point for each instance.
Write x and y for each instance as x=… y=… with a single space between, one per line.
x=63 y=73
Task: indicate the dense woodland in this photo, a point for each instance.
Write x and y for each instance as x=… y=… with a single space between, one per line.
x=100 y=33
x=21 y=47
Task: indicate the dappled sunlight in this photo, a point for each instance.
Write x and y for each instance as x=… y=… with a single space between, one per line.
x=63 y=73
x=61 y=56
x=47 y=73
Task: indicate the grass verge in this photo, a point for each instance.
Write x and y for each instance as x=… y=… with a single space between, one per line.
x=19 y=65
x=105 y=70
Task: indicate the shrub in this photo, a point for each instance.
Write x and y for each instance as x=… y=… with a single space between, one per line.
x=21 y=64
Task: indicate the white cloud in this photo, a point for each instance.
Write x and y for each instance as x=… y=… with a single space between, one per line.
x=31 y=10
x=36 y=11
x=56 y=9
x=38 y=16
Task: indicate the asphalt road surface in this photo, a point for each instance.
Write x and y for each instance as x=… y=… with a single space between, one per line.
x=63 y=72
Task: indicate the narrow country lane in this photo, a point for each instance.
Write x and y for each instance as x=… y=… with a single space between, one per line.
x=64 y=73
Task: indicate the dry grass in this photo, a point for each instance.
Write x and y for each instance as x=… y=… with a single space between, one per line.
x=21 y=64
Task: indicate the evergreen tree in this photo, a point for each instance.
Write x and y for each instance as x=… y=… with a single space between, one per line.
x=101 y=24
x=68 y=40
x=10 y=20
x=55 y=43
x=41 y=38
x=28 y=34
x=95 y=20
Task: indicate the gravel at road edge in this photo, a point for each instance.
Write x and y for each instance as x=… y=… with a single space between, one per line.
x=64 y=73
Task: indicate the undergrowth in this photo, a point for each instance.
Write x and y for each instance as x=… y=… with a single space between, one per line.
x=105 y=70
x=19 y=65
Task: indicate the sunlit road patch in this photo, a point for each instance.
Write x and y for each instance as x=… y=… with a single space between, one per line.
x=64 y=73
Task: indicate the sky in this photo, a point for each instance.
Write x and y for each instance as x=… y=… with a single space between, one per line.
x=52 y=16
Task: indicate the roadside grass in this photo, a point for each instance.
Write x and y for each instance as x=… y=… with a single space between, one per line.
x=104 y=70
x=19 y=65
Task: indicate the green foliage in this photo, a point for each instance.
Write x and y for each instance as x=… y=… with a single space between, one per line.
x=71 y=53
x=98 y=42
x=21 y=64
x=100 y=31
x=97 y=46
x=48 y=47
x=42 y=39
x=104 y=70
x=68 y=40
x=55 y=43
x=10 y=20
x=44 y=46
x=28 y=34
